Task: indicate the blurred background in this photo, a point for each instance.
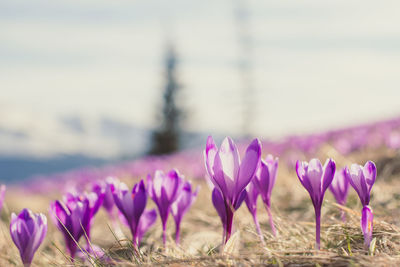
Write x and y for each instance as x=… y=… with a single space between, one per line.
x=93 y=82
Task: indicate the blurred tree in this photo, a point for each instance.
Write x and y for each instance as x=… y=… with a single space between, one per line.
x=165 y=139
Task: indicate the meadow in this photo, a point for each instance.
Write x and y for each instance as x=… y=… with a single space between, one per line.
x=201 y=243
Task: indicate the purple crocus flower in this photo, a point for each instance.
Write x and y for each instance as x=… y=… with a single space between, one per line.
x=106 y=187
x=362 y=179
x=340 y=188
x=316 y=179
x=131 y=205
x=367 y=224
x=27 y=232
x=164 y=189
x=229 y=175
x=182 y=204
x=251 y=203
x=95 y=200
x=71 y=218
x=264 y=180
x=2 y=195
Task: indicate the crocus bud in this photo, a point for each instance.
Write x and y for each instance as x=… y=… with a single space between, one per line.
x=105 y=187
x=340 y=188
x=182 y=205
x=362 y=178
x=71 y=218
x=264 y=180
x=230 y=175
x=367 y=224
x=164 y=189
x=316 y=179
x=131 y=205
x=251 y=203
x=28 y=231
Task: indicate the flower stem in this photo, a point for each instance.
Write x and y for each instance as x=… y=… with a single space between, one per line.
x=271 y=221
x=229 y=223
x=343 y=215
x=164 y=235
x=256 y=222
x=318 y=228
x=177 y=233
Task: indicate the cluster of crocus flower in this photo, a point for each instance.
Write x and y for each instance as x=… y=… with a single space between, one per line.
x=74 y=215
x=316 y=179
x=171 y=194
x=234 y=181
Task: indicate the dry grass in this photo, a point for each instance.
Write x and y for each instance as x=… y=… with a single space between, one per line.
x=342 y=243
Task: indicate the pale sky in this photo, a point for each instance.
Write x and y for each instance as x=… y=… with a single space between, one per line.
x=317 y=64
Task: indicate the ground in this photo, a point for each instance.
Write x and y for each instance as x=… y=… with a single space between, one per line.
x=341 y=242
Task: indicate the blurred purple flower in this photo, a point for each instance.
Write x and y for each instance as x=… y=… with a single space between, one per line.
x=71 y=218
x=105 y=187
x=164 y=189
x=367 y=224
x=229 y=175
x=182 y=204
x=340 y=188
x=251 y=203
x=264 y=180
x=362 y=179
x=316 y=179
x=2 y=195
x=28 y=231
x=131 y=205
x=95 y=200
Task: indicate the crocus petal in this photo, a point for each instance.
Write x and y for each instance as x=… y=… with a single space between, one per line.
x=369 y=172
x=219 y=205
x=272 y=165
x=224 y=184
x=251 y=198
x=183 y=202
x=249 y=165
x=314 y=175
x=209 y=155
x=139 y=202
x=357 y=181
x=147 y=220
x=240 y=200
x=229 y=157
x=329 y=173
x=301 y=170
x=172 y=184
